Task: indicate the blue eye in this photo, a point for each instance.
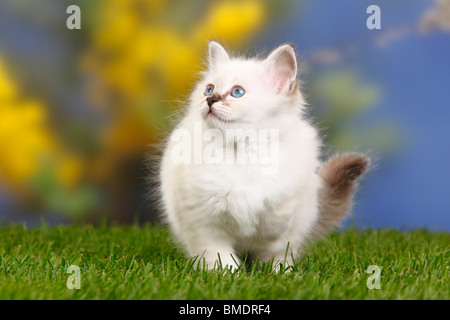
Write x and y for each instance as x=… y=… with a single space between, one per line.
x=237 y=92
x=209 y=89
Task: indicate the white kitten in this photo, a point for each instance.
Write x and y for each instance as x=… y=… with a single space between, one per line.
x=241 y=172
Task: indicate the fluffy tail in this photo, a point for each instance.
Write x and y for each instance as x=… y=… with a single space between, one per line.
x=339 y=175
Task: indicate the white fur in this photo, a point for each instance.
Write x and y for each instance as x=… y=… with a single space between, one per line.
x=229 y=209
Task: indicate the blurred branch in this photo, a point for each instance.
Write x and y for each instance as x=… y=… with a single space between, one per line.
x=437 y=17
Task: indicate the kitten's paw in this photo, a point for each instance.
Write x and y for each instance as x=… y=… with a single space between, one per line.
x=222 y=262
x=282 y=268
x=281 y=263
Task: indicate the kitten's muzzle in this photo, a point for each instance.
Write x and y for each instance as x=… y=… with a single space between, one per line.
x=213 y=98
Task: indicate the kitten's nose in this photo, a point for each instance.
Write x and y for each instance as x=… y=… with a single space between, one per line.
x=212 y=98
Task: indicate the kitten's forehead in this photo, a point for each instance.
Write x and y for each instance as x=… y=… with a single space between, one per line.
x=235 y=72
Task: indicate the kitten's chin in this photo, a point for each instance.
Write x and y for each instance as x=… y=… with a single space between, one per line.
x=216 y=120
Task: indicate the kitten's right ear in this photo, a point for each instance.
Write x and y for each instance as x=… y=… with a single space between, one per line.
x=217 y=54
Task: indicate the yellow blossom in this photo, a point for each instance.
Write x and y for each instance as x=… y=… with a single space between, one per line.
x=231 y=21
x=26 y=141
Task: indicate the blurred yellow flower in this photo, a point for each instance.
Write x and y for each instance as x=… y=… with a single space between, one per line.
x=7 y=88
x=138 y=52
x=26 y=141
x=231 y=21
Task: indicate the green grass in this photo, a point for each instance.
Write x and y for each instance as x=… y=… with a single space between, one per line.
x=141 y=263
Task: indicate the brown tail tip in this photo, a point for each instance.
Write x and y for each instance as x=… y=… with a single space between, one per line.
x=340 y=172
x=339 y=175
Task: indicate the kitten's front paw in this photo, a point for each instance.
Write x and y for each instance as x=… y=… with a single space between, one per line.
x=283 y=266
x=221 y=262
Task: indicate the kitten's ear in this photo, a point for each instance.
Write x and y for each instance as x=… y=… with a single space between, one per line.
x=217 y=54
x=282 y=68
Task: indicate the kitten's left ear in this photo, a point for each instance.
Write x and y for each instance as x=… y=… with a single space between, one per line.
x=281 y=66
x=216 y=54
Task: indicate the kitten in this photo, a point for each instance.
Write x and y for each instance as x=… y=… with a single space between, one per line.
x=241 y=171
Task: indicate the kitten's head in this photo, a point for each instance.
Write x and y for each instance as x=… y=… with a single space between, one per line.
x=248 y=93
